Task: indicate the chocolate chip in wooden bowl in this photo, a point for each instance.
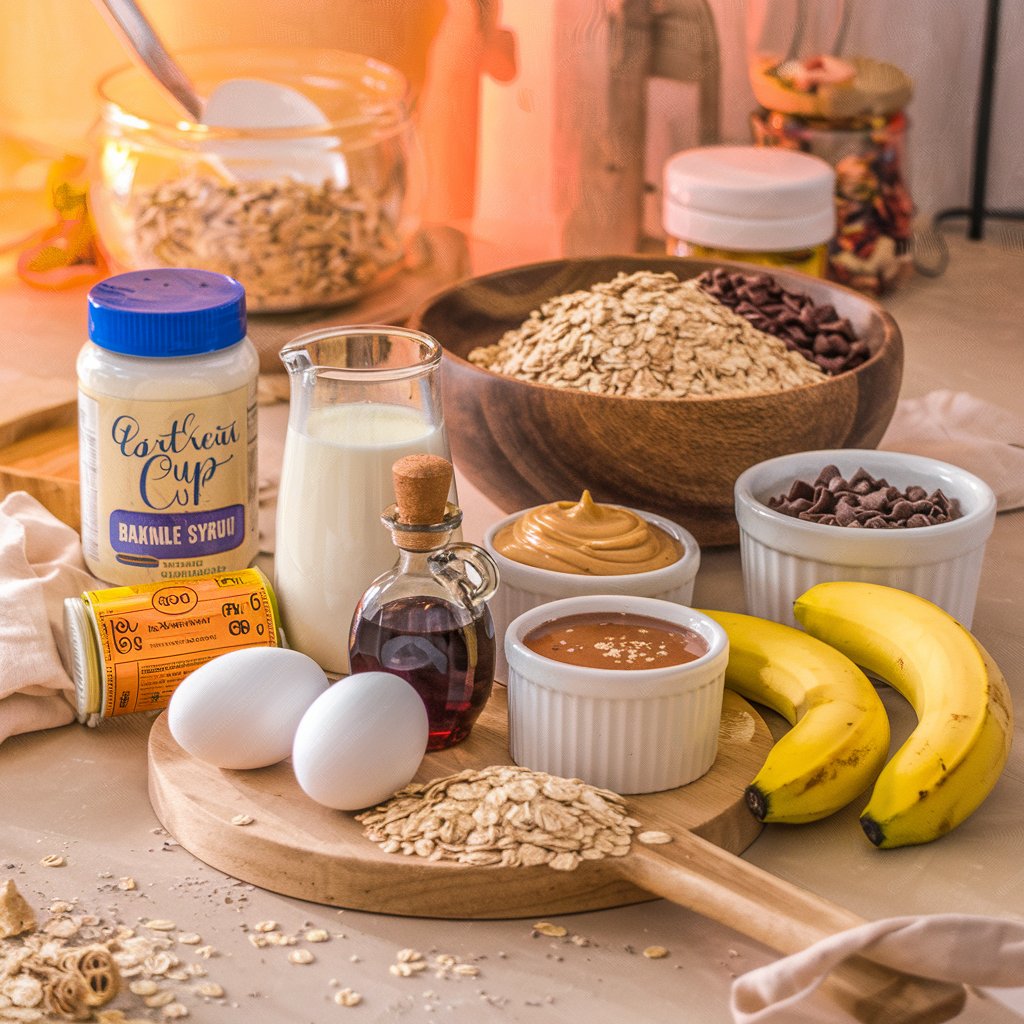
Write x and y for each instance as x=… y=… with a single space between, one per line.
x=863 y=502
x=818 y=333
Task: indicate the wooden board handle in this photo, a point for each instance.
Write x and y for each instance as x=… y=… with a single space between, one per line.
x=717 y=884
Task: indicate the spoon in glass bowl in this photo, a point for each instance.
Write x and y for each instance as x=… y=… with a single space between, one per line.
x=239 y=103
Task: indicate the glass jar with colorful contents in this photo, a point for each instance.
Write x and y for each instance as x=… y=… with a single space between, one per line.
x=871 y=250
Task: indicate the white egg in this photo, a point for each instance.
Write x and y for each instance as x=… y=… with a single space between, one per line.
x=360 y=741
x=241 y=709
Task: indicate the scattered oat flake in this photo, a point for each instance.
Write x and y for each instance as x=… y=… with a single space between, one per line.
x=189 y=939
x=555 y=931
x=346 y=997
x=265 y=926
x=162 y=997
x=466 y=970
x=126 y=884
x=242 y=819
x=159 y=925
x=61 y=907
x=406 y=956
x=301 y=956
x=654 y=838
x=144 y=987
x=174 y=1011
x=317 y=935
x=655 y=952
x=206 y=952
x=53 y=860
x=210 y=989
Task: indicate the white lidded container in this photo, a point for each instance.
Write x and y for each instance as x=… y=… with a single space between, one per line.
x=758 y=204
x=628 y=730
x=167 y=427
x=783 y=556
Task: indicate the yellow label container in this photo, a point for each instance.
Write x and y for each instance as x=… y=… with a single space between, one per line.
x=130 y=647
x=767 y=206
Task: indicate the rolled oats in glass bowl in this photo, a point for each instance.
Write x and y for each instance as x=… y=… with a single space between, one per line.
x=304 y=217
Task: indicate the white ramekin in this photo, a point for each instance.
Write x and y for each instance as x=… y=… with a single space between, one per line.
x=783 y=556
x=523 y=587
x=629 y=731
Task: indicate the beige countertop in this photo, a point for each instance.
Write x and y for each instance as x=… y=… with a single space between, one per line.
x=82 y=793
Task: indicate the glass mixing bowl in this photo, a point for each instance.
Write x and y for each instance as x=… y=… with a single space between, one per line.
x=303 y=217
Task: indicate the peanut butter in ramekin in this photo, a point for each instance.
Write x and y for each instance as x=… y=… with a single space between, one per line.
x=588 y=539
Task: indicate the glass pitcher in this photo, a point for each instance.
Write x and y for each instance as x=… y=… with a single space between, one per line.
x=361 y=398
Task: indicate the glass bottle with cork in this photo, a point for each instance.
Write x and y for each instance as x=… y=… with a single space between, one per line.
x=427 y=619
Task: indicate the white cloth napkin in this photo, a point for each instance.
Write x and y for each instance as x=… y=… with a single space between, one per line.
x=956 y=427
x=40 y=565
x=970 y=950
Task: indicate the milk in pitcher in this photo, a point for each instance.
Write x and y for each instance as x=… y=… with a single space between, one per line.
x=330 y=544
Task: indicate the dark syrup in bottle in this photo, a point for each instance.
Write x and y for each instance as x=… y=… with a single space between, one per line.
x=446 y=655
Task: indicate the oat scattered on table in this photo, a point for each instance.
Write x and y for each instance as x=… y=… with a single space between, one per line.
x=301 y=956
x=53 y=860
x=655 y=952
x=646 y=335
x=554 y=931
x=346 y=997
x=242 y=819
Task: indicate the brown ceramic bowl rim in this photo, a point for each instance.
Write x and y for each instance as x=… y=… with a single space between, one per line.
x=791 y=278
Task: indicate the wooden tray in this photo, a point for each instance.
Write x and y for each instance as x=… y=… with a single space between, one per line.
x=39 y=454
x=298 y=848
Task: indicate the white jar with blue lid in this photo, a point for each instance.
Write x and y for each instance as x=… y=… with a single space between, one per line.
x=167 y=427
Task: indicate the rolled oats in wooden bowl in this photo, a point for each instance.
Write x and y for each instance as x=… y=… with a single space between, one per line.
x=655 y=381
x=304 y=217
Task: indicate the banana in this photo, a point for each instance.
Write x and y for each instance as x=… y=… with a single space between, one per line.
x=840 y=735
x=952 y=759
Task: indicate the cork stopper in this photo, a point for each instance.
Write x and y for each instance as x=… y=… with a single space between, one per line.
x=421 y=484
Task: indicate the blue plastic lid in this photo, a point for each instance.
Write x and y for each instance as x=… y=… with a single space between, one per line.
x=172 y=312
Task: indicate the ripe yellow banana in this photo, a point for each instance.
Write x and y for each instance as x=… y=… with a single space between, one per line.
x=840 y=735
x=957 y=751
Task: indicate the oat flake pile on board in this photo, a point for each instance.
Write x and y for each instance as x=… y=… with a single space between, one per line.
x=503 y=815
x=646 y=335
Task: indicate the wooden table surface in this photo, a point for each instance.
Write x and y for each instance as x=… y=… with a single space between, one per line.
x=82 y=793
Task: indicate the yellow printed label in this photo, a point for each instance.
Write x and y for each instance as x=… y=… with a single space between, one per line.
x=153 y=635
x=168 y=487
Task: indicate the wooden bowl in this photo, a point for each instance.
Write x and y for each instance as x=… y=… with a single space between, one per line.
x=524 y=444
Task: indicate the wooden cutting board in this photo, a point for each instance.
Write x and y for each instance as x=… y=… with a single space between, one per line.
x=39 y=454
x=298 y=848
